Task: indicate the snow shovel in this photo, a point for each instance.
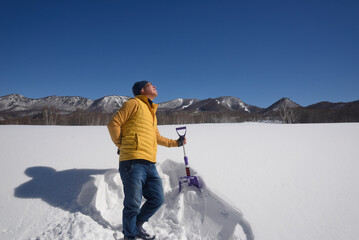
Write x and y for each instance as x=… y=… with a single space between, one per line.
x=190 y=180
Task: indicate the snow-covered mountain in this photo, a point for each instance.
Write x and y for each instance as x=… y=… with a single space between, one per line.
x=281 y=104
x=20 y=104
x=107 y=104
x=220 y=104
x=178 y=104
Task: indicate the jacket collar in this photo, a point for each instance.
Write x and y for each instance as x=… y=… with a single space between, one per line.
x=144 y=99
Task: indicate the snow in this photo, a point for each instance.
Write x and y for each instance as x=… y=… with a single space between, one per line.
x=189 y=104
x=233 y=103
x=172 y=104
x=262 y=181
x=108 y=104
x=244 y=107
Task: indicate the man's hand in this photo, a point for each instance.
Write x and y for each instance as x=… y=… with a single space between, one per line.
x=181 y=140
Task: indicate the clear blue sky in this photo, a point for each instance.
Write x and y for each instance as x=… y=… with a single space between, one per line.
x=259 y=51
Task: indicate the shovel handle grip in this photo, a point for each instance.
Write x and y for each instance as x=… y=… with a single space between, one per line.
x=186 y=160
x=188 y=172
x=181 y=128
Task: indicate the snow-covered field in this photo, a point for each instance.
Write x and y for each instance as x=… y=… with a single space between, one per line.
x=263 y=181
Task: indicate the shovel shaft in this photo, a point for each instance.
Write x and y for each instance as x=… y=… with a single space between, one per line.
x=190 y=180
x=184 y=151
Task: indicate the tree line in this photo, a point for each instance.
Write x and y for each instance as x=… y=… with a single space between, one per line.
x=51 y=116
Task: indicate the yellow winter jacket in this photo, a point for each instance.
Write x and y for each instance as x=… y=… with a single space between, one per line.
x=134 y=131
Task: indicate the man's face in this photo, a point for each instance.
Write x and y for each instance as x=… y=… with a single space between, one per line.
x=150 y=91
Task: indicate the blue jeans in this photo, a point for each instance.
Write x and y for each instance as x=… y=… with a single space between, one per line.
x=139 y=180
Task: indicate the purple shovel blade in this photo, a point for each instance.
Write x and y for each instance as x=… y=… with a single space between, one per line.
x=191 y=180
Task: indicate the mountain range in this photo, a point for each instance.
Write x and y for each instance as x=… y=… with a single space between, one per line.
x=16 y=105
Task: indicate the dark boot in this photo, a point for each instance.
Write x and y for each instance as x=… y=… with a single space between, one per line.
x=142 y=234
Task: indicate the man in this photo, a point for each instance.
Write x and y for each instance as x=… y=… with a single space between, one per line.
x=134 y=131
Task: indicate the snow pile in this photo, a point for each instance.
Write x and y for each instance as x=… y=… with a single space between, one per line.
x=190 y=214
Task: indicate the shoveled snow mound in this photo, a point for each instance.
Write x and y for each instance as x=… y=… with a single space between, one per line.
x=191 y=214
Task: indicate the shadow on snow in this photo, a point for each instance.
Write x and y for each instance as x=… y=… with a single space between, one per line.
x=61 y=189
